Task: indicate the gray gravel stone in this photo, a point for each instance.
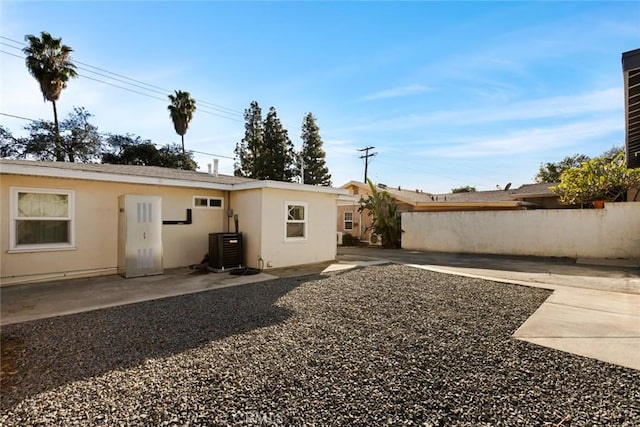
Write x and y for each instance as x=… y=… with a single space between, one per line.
x=385 y=345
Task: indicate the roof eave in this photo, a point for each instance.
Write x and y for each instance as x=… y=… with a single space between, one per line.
x=51 y=172
x=534 y=195
x=292 y=186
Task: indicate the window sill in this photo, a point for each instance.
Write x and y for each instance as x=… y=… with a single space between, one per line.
x=295 y=239
x=23 y=250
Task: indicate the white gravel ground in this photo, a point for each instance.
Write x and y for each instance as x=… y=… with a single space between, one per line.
x=380 y=345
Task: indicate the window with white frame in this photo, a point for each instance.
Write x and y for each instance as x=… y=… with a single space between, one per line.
x=41 y=219
x=348 y=220
x=296 y=221
x=203 y=202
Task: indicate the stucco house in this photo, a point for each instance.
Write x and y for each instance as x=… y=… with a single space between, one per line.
x=70 y=219
x=528 y=196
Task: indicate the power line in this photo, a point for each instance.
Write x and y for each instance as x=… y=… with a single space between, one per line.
x=211 y=154
x=164 y=90
x=12 y=54
x=18 y=117
x=132 y=90
x=109 y=134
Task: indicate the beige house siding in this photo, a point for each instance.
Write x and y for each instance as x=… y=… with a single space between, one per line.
x=96 y=229
x=320 y=243
x=247 y=205
x=93 y=192
x=360 y=220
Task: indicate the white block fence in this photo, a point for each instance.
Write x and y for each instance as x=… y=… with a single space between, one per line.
x=612 y=232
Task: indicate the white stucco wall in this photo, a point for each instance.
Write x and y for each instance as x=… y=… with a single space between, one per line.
x=262 y=214
x=613 y=232
x=320 y=244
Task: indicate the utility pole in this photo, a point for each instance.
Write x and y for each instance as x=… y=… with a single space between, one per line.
x=366 y=160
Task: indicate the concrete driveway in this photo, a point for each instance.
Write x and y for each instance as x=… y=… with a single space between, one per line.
x=594 y=310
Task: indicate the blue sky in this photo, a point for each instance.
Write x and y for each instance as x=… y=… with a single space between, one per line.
x=449 y=93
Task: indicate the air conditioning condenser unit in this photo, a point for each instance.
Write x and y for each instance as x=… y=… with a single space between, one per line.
x=225 y=251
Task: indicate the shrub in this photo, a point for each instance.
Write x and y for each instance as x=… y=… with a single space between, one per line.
x=349 y=240
x=602 y=178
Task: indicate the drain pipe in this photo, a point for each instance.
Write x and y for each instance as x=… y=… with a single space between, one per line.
x=229 y=211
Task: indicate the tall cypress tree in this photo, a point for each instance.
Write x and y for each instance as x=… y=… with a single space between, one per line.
x=265 y=152
x=315 y=169
x=276 y=162
x=248 y=150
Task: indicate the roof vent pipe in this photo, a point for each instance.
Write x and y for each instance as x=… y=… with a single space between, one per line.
x=215 y=167
x=209 y=167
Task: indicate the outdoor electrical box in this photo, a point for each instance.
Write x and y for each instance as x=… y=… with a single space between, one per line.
x=225 y=251
x=139 y=235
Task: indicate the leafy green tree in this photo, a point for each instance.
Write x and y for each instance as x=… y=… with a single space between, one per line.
x=81 y=141
x=49 y=62
x=276 y=161
x=248 y=150
x=171 y=156
x=41 y=142
x=550 y=172
x=385 y=219
x=465 y=189
x=76 y=140
x=601 y=178
x=133 y=150
x=181 y=110
x=312 y=154
x=130 y=150
x=10 y=146
x=612 y=152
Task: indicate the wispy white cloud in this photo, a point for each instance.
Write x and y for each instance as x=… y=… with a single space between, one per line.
x=566 y=106
x=537 y=139
x=396 y=92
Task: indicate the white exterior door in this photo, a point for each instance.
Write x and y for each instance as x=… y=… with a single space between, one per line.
x=141 y=250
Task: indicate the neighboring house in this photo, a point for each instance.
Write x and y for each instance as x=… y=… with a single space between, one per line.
x=528 y=196
x=356 y=223
x=62 y=219
x=631 y=76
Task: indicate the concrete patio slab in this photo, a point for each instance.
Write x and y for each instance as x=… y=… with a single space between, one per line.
x=553 y=320
x=597 y=324
x=604 y=301
x=617 y=351
x=32 y=301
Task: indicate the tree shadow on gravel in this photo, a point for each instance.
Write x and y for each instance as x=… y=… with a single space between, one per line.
x=50 y=353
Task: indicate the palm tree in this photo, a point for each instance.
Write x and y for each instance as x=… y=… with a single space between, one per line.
x=49 y=63
x=181 y=110
x=385 y=219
